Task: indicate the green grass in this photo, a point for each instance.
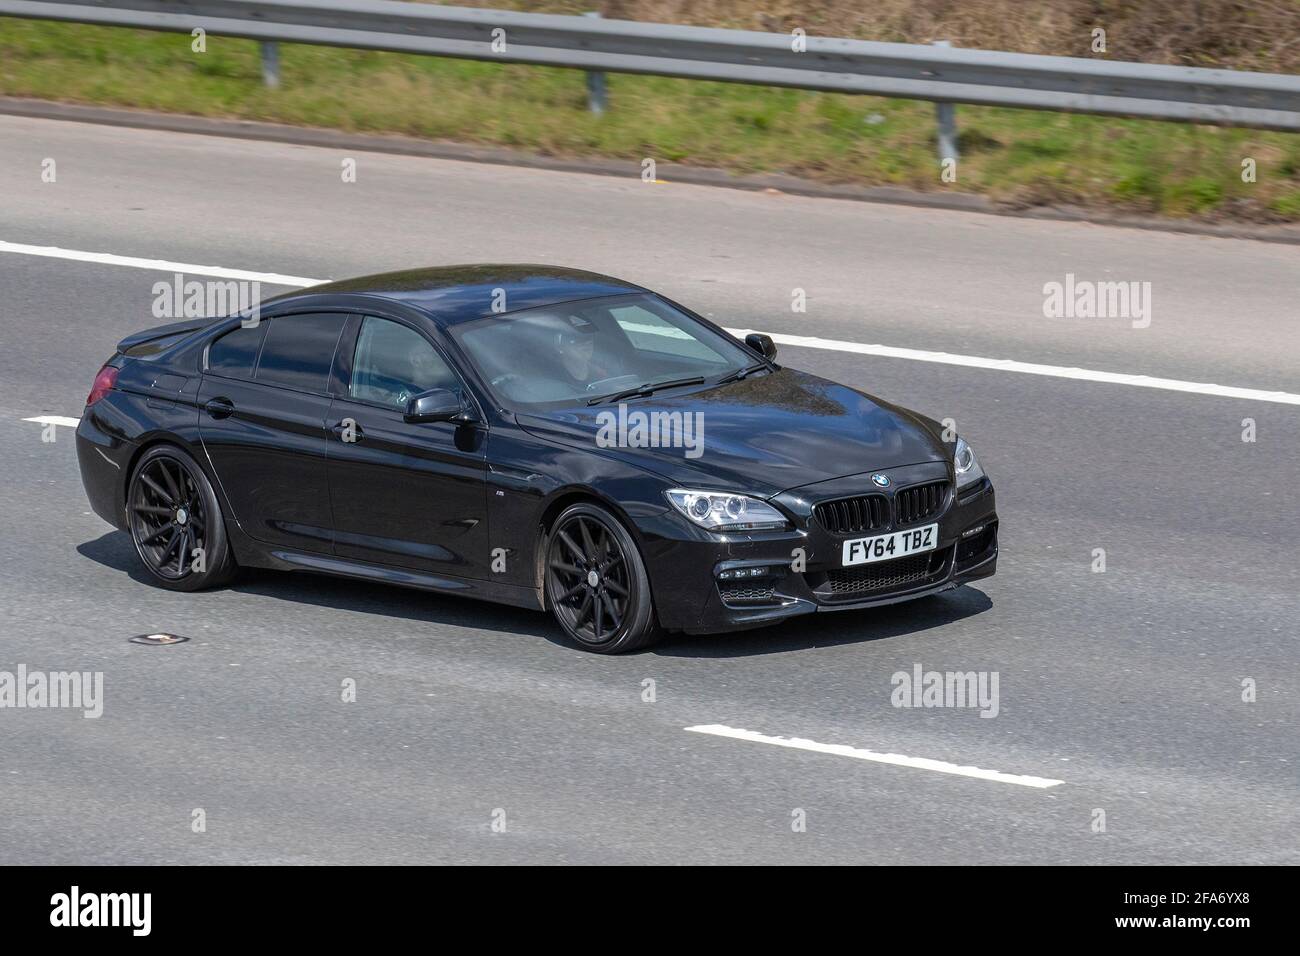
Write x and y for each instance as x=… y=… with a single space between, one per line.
x=1015 y=156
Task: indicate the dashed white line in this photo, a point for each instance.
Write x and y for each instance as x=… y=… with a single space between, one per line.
x=781 y=338
x=55 y=420
x=897 y=760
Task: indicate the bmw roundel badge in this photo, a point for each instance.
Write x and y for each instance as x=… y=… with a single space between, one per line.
x=880 y=481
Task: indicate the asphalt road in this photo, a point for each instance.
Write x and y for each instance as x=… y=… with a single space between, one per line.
x=1126 y=685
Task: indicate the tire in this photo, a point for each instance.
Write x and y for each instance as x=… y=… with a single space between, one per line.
x=171 y=510
x=590 y=557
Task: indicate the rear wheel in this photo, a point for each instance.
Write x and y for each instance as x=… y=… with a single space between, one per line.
x=596 y=582
x=176 y=522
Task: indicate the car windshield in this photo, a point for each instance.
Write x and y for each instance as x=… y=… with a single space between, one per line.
x=577 y=352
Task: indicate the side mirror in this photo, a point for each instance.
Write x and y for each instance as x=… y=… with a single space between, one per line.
x=762 y=344
x=435 y=405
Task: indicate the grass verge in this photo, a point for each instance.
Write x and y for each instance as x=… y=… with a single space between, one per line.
x=1017 y=157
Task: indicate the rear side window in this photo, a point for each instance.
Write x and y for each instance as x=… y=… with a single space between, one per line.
x=235 y=353
x=299 y=350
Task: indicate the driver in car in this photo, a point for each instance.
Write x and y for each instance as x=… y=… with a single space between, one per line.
x=425 y=370
x=575 y=343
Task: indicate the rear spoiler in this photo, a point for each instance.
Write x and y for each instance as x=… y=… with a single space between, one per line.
x=173 y=331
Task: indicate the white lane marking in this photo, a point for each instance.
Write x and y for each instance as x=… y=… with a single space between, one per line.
x=898 y=760
x=159 y=265
x=1031 y=368
x=55 y=420
x=781 y=338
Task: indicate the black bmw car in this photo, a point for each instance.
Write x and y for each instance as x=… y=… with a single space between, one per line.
x=536 y=436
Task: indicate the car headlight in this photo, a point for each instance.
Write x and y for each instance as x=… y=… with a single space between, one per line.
x=724 y=511
x=966 y=465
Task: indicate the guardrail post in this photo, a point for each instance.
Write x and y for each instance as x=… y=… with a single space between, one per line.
x=946 y=114
x=597 y=94
x=270 y=63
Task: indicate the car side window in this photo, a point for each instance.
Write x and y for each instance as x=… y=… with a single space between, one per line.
x=299 y=350
x=235 y=353
x=393 y=363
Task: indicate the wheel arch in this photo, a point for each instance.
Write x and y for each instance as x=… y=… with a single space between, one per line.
x=555 y=506
x=234 y=532
x=151 y=442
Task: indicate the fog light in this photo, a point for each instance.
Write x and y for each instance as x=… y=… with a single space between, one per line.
x=973 y=531
x=732 y=574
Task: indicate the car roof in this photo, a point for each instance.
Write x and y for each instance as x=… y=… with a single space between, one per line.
x=454 y=294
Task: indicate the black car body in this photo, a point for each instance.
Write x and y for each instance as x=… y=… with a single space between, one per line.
x=464 y=499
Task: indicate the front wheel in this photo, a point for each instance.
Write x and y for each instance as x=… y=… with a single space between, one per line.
x=596 y=582
x=176 y=522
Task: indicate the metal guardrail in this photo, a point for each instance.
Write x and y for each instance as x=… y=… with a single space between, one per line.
x=936 y=73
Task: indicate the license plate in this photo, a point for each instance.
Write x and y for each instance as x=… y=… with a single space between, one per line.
x=886 y=547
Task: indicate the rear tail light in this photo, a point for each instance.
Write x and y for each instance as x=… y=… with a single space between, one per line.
x=105 y=380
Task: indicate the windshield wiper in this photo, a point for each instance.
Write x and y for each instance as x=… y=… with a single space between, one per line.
x=737 y=375
x=646 y=389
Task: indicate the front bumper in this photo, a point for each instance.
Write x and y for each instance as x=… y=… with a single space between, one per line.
x=802 y=571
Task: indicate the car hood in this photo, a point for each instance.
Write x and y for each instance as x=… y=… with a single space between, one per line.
x=761 y=435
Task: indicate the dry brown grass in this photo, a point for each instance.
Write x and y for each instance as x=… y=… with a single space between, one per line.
x=1238 y=34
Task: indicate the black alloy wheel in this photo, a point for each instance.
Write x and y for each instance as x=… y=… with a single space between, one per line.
x=176 y=523
x=596 y=583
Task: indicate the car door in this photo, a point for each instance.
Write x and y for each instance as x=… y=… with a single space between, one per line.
x=263 y=403
x=404 y=494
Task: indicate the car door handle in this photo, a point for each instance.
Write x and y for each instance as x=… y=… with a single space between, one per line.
x=219 y=407
x=357 y=432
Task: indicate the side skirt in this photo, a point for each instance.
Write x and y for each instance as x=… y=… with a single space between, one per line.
x=512 y=594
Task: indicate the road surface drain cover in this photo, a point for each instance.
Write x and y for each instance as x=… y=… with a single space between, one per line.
x=156 y=640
